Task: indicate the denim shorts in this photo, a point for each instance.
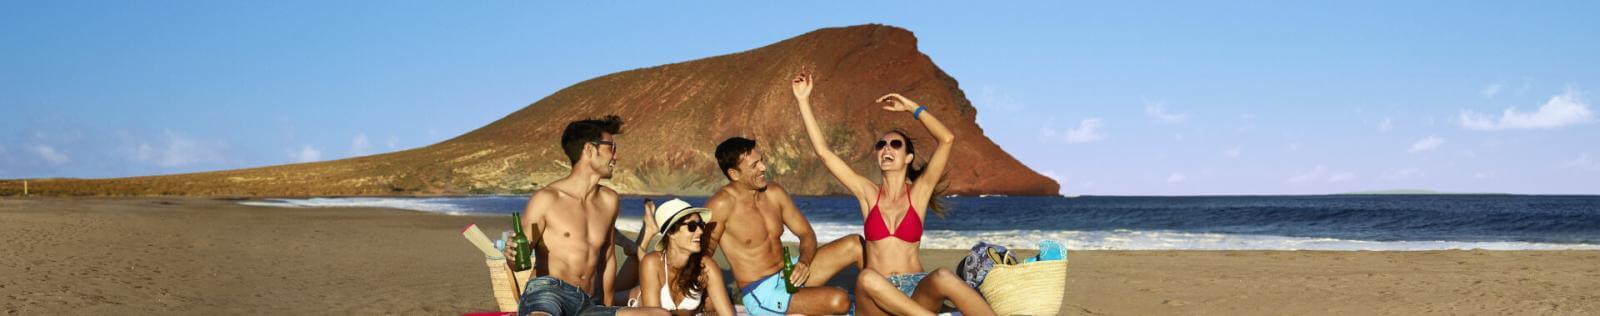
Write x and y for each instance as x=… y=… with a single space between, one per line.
x=551 y=295
x=907 y=283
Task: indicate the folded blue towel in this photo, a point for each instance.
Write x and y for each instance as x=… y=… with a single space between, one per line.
x=1049 y=250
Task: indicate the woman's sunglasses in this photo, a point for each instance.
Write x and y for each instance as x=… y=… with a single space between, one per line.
x=896 y=144
x=692 y=225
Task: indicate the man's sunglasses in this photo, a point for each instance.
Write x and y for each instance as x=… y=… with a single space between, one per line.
x=597 y=143
x=896 y=144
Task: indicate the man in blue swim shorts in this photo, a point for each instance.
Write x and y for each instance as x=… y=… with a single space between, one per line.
x=748 y=216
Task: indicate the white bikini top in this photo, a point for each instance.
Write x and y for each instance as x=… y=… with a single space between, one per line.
x=690 y=300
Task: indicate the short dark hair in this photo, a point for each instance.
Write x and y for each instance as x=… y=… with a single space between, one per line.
x=729 y=152
x=580 y=133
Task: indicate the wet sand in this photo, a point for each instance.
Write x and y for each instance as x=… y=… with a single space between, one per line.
x=196 y=255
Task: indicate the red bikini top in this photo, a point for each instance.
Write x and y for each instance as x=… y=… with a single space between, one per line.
x=910 y=229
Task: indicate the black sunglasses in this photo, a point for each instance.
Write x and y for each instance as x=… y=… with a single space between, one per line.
x=896 y=144
x=597 y=143
x=692 y=225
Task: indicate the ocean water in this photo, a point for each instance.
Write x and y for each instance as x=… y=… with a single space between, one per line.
x=1338 y=222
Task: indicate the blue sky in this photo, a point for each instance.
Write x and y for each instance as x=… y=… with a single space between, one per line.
x=1128 y=98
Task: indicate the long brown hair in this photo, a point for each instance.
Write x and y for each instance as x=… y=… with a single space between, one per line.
x=689 y=276
x=913 y=171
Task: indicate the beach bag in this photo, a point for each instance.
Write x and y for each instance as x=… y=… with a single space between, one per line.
x=1034 y=288
x=983 y=257
x=507 y=285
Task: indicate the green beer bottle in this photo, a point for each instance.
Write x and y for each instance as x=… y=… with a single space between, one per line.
x=520 y=241
x=788 y=269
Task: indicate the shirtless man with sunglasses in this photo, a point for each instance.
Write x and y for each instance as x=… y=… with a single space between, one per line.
x=572 y=223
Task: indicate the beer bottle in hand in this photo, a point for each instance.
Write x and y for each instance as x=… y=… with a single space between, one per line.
x=519 y=240
x=788 y=269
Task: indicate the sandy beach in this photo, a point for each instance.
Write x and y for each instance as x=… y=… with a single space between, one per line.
x=197 y=255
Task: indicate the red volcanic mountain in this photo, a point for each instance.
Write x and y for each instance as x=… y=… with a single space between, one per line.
x=674 y=117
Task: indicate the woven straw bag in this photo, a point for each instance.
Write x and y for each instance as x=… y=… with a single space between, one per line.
x=507 y=285
x=1034 y=288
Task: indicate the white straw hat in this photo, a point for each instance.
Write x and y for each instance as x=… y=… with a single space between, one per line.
x=670 y=213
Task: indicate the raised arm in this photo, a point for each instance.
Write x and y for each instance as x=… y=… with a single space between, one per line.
x=857 y=184
x=801 y=228
x=922 y=190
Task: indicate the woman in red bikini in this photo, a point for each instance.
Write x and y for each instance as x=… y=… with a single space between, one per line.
x=893 y=281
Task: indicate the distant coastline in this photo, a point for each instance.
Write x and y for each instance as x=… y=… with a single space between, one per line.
x=1416 y=192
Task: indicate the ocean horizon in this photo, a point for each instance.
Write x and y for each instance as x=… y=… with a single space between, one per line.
x=1341 y=222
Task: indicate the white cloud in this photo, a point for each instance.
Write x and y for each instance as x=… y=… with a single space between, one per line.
x=1582 y=162
x=1492 y=90
x=393 y=142
x=1561 y=110
x=1176 y=177
x=1321 y=173
x=1158 y=111
x=990 y=100
x=1426 y=144
x=306 y=154
x=50 y=155
x=1233 y=152
x=1386 y=124
x=1061 y=180
x=359 y=146
x=1309 y=176
x=177 y=150
x=1088 y=130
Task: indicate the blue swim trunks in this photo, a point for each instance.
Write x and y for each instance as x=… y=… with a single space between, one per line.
x=767 y=296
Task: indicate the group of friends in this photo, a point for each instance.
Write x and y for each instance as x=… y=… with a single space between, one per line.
x=669 y=268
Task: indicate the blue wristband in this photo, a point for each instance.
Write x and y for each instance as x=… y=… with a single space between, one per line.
x=918 y=113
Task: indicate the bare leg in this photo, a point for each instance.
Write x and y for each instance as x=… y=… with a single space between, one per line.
x=942 y=284
x=819 y=301
x=834 y=257
x=865 y=306
x=886 y=296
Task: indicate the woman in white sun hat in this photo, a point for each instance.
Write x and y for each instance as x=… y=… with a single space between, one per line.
x=676 y=275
